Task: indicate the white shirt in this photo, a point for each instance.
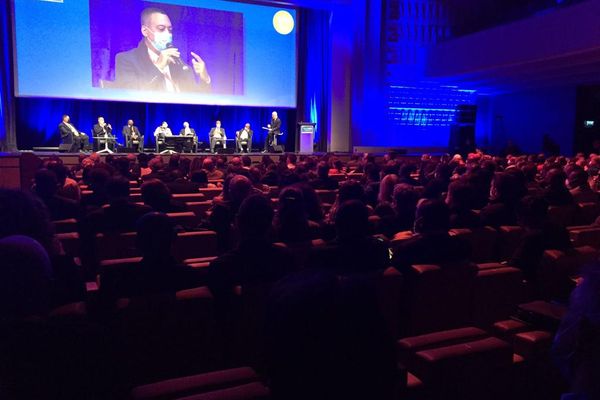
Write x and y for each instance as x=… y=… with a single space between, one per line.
x=166 y=71
x=244 y=135
x=187 y=131
x=72 y=128
x=217 y=133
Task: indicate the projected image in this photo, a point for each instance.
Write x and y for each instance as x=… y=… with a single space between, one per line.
x=152 y=46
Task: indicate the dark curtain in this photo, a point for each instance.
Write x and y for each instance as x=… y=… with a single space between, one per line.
x=7 y=132
x=314 y=72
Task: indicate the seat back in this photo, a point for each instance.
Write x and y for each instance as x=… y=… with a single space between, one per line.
x=483 y=242
x=65 y=225
x=327 y=196
x=195 y=245
x=509 y=238
x=210 y=193
x=199 y=207
x=185 y=197
x=70 y=243
x=496 y=294
x=116 y=245
x=562 y=215
x=586 y=236
x=587 y=213
x=187 y=220
x=558 y=267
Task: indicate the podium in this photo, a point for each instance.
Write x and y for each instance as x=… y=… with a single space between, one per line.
x=306 y=135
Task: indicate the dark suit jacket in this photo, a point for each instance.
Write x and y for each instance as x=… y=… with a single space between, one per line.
x=212 y=132
x=98 y=131
x=182 y=132
x=275 y=126
x=65 y=133
x=135 y=70
x=127 y=131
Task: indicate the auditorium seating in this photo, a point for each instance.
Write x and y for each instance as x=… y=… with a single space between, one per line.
x=65 y=225
x=585 y=236
x=196 y=384
x=199 y=207
x=210 y=193
x=327 y=196
x=483 y=242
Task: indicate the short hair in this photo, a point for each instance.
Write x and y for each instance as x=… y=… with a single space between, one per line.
x=65 y=116
x=255 y=216
x=147 y=12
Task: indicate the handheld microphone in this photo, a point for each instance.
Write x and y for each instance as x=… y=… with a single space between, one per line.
x=178 y=60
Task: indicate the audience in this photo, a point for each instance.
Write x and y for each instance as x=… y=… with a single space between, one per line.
x=315 y=262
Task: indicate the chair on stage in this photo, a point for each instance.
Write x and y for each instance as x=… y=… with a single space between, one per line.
x=136 y=144
x=243 y=145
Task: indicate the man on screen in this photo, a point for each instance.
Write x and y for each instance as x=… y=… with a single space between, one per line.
x=156 y=64
x=274 y=130
x=133 y=137
x=70 y=135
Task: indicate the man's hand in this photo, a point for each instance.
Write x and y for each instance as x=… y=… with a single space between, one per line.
x=167 y=56
x=200 y=68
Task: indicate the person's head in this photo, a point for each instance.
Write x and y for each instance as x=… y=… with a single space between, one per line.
x=460 y=195
x=186 y=124
x=240 y=187
x=578 y=178
x=130 y=122
x=405 y=198
x=156 y=194
x=164 y=125
x=323 y=170
x=208 y=164
x=292 y=216
x=246 y=161
x=98 y=177
x=117 y=189
x=156 y=164
x=218 y=124
x=350 y=190
x=352 y=220
x=274 y=115
x=156 y=28
x=46 y=183
x=505 y=188
x=25 y=278
x=101 y=120
x=432 y=216
x=247 y=126
x=155 y=235
x=66 y=118
x=555 y=179
x=254 y=217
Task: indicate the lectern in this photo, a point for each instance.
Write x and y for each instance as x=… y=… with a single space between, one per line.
x=306 y=134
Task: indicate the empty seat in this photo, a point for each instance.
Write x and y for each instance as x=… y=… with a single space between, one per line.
x=408 y=347
x=250 y=391
x=542 y=314
x=472 y=370
x=496 y=293
x=437 y=298
x=195 y=384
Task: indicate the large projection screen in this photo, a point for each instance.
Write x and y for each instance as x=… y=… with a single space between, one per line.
x=229 y=53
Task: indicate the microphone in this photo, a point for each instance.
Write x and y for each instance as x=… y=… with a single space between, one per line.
x=178 y=60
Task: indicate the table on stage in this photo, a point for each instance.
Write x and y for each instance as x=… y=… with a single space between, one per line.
x=178 y=144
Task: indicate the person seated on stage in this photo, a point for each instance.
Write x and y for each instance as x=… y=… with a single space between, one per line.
x=243 y=139
x=217 y=136
x=155 y=64
x=160 y=133
x=79 y=141
x=104 y=131
x=133 y=138
x=187 y=131
x=46 y=188
x=274 y=130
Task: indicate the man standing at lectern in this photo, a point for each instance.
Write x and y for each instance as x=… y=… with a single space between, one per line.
x=70 y=135
x=156 y=64
x=274 y=129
